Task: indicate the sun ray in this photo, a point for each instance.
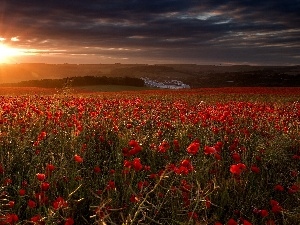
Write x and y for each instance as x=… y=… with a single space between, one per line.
x=7 y=53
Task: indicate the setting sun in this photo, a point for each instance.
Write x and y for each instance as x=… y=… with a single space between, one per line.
x=6 y=53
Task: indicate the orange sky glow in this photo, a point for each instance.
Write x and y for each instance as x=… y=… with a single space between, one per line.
x=152 y=32
x=8 y=53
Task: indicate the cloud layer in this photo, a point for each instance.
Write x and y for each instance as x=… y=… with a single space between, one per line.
x=156 y=31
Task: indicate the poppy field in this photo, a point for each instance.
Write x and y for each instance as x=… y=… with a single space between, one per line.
x=207 y=156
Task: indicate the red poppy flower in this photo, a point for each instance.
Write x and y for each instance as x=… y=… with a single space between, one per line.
x=176 y=144
x=97 y=169
x=110 y=185
x=24 y=183
x=242 y=166
x=45 y=186
x=186 y=163
x=255 y=169
x=246 y=222
x=36 y=219
x=7 y=181
x=59 y=203
x=50 y=168
x=163 y=147
x=258 y=158
x=185 y=186
x=279 y=187
x=181 y=170
x=263 y=213
x=170 y=167
x=31 y=204
x=277 y=209
x=134 y=199
x=83 y=147
x=125 y=151
x=153 y=176
x=41 y=197
x=137 y=165
x=236 y=157
x=42 y=135
x=78 y=159
x=186 y=199
x=133 y=143
x=127 y=163
x=193 y=148
x=296 y=157
x=218 y=156
x=273 y=202
x=147 y=168
x=135 y=147
x=207 y=202
x=69 y=221
x=294 y=173
x=293 y=189
x=143 y=184
x=22 y=192
x=11 y=204
x=11 y=219
x=218 y=146
x=235 y=169
x=40 y=176
x=218 y=223
x=209 y=150
x=232 y=222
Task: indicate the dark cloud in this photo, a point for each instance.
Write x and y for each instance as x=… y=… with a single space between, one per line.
x=194 y=31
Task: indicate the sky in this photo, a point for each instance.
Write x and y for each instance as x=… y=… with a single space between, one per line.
x=252 y=32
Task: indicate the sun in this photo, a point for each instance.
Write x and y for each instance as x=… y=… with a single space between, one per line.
x=7 y=53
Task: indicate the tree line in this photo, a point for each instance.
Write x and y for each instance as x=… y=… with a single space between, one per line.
x=79 y=82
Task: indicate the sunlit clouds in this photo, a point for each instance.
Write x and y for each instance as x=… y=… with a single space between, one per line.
x=206 y=32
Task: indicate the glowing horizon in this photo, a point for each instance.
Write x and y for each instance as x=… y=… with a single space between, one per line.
x=151 y=32
x=7 y=53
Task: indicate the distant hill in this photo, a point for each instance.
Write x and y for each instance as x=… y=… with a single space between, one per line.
x=78 y=82
x=191 y=74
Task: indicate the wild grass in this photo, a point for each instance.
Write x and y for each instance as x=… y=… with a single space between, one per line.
x=153 y=157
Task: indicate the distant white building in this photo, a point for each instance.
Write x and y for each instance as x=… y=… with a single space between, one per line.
x=172 y=84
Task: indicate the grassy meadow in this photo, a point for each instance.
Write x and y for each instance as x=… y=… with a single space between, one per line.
x=201 y=156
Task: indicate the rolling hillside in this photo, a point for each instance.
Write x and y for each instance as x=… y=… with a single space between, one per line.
x=191 y=74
